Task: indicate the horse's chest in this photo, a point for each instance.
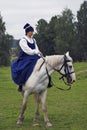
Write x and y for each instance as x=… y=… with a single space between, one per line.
x=39 y=87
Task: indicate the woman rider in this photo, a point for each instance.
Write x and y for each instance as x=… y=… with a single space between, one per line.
x=22 y=68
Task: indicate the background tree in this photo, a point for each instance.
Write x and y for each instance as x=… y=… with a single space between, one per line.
x=82 y=31
x=40 y=36
x=65 y=32
x=45 y=36
x=5 y=44
x=50 y=36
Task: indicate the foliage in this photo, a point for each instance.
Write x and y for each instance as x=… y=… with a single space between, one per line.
x=82 y=30
x=41 y=36
x=5 y=44
x=67 y=110
x=4 y=60
x=64 y=33
x=65 y=30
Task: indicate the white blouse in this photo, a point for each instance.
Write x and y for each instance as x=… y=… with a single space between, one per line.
x=26 y=48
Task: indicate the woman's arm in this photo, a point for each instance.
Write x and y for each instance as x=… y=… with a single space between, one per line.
x=26 y=48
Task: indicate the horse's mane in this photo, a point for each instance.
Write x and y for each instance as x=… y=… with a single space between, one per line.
x=53 y=60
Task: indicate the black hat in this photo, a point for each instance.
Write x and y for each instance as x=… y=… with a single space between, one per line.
x=28 y=28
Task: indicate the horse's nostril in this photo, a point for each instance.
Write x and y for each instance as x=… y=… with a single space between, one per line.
x=74 y=80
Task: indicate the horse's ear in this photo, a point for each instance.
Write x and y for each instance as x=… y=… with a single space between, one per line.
x=67 y=53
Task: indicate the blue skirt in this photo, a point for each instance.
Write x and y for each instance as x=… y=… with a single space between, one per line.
x=22 y=68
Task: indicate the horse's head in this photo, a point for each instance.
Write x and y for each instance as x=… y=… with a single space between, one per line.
x=67 y=70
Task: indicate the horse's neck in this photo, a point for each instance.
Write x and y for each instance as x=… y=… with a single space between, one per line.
x=51 y=62
x=54 y=61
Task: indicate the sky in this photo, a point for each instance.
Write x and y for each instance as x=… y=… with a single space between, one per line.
x=16 y=13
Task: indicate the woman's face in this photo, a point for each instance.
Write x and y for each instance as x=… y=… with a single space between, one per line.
x=30 y=34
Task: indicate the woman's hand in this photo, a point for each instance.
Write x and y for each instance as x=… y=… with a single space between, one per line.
x=40 y=53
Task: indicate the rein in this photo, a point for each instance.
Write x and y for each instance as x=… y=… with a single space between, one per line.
x=67 y=73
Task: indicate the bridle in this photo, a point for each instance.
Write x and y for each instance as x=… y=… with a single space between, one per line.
x=66 y=70
x=66 y=74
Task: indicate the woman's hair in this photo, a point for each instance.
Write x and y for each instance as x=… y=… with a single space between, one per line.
x=28 y=28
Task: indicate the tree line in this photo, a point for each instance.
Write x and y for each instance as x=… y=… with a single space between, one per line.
x=62 y=33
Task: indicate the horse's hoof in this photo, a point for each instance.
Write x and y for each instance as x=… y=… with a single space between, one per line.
x=36 y=118
x=48 y=125
x=19 y=123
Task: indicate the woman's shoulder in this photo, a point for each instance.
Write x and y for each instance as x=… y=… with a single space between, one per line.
x=22 y=40
x=26 y=39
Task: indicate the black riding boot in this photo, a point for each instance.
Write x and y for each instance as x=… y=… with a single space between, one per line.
x=20 y=88
x=50 y=84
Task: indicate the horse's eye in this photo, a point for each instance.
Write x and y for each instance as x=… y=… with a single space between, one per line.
x=70 y=67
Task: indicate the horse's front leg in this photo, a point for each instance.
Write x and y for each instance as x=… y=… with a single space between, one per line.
x=23 y=108
x=37 y=101
x=43 y=100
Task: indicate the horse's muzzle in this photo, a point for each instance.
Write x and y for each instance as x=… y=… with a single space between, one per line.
x=71 y=78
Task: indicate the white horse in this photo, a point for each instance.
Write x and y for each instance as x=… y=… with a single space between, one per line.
x=38 y=82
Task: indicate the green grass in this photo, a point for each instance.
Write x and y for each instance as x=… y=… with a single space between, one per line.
x=67 y=110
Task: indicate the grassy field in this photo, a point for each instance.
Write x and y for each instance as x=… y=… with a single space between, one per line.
x=67 y=110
